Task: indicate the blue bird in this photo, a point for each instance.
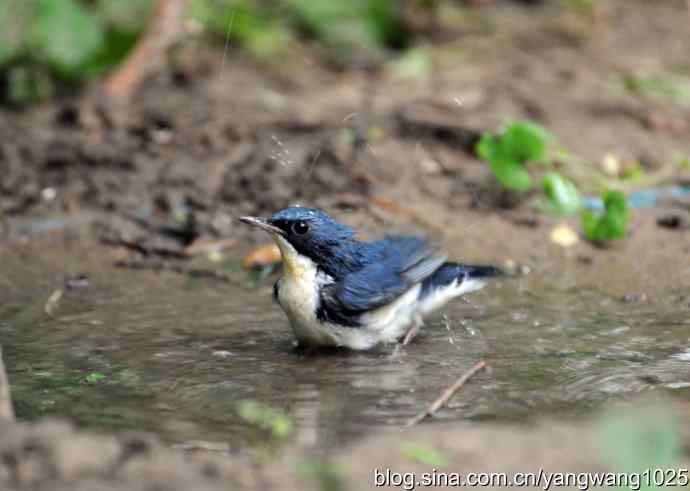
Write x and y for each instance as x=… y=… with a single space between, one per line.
x=340 y=291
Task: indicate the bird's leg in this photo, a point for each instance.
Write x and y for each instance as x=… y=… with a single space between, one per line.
x=417 y=323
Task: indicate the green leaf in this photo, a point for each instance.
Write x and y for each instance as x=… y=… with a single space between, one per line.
x=115 y=48
x=65 y=34
x=511 y=174
x=327 y=18
x=352 y=27
x=563 y=197
x=384 y=22
x=525 y=141
x=94 y=378
x=508 y=151
x=612 y=223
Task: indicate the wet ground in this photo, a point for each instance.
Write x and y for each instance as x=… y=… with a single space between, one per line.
x=178 y=354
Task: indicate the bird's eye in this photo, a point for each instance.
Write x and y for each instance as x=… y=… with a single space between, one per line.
x=300 y=228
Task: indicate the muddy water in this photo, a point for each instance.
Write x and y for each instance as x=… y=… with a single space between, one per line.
x=178 y=355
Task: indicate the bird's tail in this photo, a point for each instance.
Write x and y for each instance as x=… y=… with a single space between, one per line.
x=478 y=271
x=449 y=272
x=453 y=279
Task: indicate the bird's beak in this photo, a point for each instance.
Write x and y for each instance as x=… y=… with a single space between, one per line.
x=263 y=224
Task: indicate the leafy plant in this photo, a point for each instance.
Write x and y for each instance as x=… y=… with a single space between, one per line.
x=509 y=150
x=363 y=23
x=344 y=28
x=94 y=377
x=260 y=29
x=562 y=195
x=265 y=418
x=44 y=42
x=609 y=225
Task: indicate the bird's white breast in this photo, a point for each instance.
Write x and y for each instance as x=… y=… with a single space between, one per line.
x=298 y=295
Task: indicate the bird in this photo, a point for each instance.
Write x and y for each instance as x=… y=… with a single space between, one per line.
x=339 y=291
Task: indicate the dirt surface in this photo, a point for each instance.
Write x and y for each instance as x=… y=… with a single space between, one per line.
x=199 y=146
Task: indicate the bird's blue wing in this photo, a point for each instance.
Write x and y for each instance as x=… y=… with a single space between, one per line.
x=400 y=263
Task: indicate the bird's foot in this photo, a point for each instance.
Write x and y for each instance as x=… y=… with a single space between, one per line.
x=412 y=331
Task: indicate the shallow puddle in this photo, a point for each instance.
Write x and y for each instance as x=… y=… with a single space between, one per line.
x=178 y=355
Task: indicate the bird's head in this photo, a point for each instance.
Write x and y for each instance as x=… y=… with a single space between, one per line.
x=304 y=234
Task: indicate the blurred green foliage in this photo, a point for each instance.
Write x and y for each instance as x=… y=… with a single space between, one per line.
x=94 y=377
x=661 y=86
x=609 y=225
x=415 y=63
x=257 y=27
x=644 y=439
x=344 y=29
x=423 y=454
x=46 y=43
x=362 y=23
x=584 y=7
x=278 y=424
x=328 y=475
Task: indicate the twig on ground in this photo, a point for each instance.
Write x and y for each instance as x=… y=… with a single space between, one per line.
x=6 y=411
x=447 y=394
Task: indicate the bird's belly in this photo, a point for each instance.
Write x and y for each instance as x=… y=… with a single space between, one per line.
x=391 y=322
x=298 y=297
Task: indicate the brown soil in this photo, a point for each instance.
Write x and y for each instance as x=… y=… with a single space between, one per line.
x=197 y=147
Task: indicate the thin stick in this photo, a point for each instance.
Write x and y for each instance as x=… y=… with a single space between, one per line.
x=447 y=394
x=165 y=28
x=6 y=411
x=227 y=44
